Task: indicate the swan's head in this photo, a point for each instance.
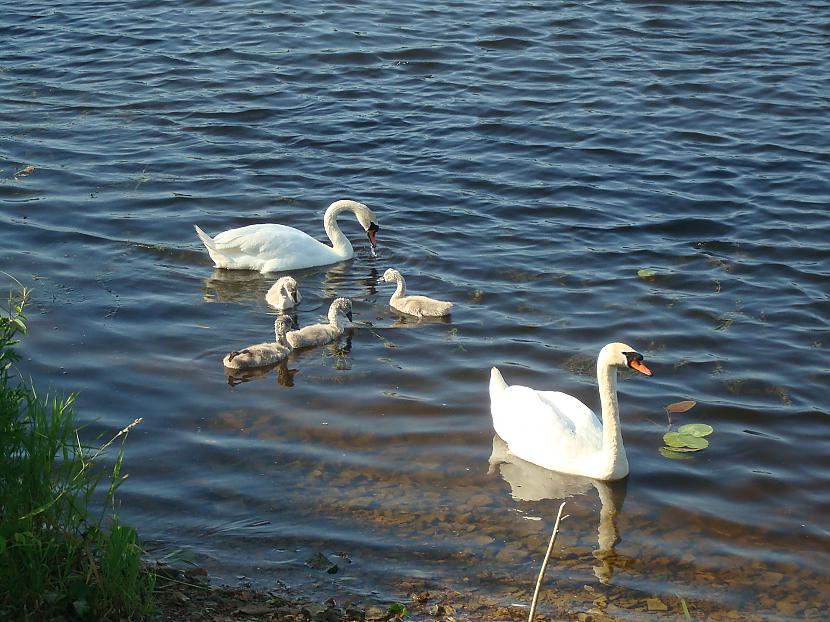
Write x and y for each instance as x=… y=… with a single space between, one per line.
x=391 y=275
x=342 y=306
x=287 y=286
x=281 y=326
x=368 y=221
x=622 y=355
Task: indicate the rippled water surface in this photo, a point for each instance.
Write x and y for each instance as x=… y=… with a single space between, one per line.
x=527 y=161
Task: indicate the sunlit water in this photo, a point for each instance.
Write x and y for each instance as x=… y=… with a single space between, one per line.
x=526 y=161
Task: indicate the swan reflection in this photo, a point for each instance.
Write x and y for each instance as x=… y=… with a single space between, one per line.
x=285 y=375
x=529 y=482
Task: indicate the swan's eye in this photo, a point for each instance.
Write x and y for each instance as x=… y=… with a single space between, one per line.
x=633 y=356
x=374 y=227
x=635 y=361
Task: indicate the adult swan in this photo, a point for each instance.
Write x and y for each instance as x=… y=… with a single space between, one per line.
x=560 y=433
x=272 y=248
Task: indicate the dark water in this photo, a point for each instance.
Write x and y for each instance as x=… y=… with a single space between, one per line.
x=526 y=160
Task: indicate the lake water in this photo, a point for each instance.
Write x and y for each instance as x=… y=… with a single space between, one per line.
x=527 y=161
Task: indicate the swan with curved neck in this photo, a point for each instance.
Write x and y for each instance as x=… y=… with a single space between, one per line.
x=284 y=293
x=557 y=431
x=419 y=306
x=262 y=354
x=321 y=334
x=273 y=247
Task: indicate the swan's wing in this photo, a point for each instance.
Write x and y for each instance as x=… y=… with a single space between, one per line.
x=546 y=427
x=265 y=241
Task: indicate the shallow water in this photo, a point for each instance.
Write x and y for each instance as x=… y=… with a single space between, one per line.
x=525 y=163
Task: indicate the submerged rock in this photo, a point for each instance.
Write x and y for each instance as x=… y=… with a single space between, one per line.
x=318 y=561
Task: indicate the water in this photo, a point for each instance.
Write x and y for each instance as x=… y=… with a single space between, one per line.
x=525 y=161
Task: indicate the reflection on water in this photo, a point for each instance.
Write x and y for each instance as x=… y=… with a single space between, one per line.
x=284 y=374
x=234 y=285
x=530 y=482
x=404 y=320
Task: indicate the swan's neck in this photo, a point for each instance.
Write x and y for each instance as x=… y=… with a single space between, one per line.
x=336 y=320
x=400 y=290
x=339 y=241
x=280 y=335
x=612 y=444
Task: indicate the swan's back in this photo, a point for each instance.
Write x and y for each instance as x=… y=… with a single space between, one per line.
x=421 y=306
x=314 y=335
x=548 y=428
x=258 y=355
x=268 y=248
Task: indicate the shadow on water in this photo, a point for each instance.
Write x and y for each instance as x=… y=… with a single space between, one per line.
x=529 y=482
x=285 y=375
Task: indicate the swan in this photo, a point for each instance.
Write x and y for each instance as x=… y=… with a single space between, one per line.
x=272 y=248
x=560 y=433
x=283 y=294
x=319 y=334
x=419 y=306
x=262 y=354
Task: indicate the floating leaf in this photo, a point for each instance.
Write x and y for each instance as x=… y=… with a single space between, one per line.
x=22 y=173
x=673 y=439
x=680 y=407
x=675 y=453
x=680 y=449
x=645 y=273
x=694 y=442
x=696 y=429
x=679 y=439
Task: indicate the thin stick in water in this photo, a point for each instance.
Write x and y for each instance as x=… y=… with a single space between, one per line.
x=545 y=563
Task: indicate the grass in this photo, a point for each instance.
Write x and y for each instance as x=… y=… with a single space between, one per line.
x=58 y=557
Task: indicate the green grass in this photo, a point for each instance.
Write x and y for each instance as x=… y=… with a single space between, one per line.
x=57 y=556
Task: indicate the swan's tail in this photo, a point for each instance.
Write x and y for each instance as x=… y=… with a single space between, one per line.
x=205 y=238
x=497 y=383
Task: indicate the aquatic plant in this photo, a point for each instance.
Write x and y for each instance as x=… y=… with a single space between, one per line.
x=57 y=557
x=688 y=437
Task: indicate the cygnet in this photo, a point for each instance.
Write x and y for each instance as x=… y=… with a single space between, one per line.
x=262 y=354
x=419 y=306
x=320 y=334
x=284 y=293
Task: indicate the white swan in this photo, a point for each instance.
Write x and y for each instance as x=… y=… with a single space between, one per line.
x=560 y=433
x=320 y=334
x=262 y=354
x=419 y=306
x=271 y=248
x=284 y=293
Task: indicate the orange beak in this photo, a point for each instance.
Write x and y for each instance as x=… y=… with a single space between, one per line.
x=640 y=367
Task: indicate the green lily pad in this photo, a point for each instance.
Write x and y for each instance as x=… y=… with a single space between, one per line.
x=680 y=407
x=673 y=439
x=696 y=429
x=694 y=442
x=675 y=453
x=682 y=450
x=645 y=273
x=679 y=439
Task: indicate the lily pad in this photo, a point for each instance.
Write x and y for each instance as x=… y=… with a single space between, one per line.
x=679 y=439
x=696 y=429
x=676 y=453
x=680 y=407
x=673 y=439
x=694 y=442
x=682 y=449
x=645 y=273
